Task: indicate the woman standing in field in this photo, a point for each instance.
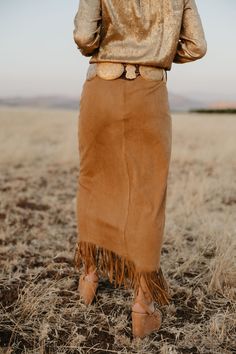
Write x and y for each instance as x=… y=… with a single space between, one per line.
x=125 y=137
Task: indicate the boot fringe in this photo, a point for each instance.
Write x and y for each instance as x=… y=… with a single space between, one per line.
x=121 y=271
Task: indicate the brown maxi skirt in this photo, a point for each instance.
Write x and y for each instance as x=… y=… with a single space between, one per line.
x=125 y=136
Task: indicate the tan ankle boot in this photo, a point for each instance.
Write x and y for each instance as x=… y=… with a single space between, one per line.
x=88 y=284
x=145 y=319
x=146 y=322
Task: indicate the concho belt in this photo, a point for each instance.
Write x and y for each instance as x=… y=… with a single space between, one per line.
x=111 y=71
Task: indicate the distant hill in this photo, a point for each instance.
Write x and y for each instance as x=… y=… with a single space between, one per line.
x=183 y=104
x=53 y=102
x=223 y=105
x=177 y=103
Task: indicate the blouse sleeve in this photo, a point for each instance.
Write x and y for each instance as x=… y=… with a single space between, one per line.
x=87 y=26
x=192 y=43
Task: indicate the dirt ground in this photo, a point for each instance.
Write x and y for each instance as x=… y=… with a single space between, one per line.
x=40 y=310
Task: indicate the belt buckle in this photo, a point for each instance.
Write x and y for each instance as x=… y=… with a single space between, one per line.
x=130 y=71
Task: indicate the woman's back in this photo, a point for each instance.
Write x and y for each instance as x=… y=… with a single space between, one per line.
x=125 y=140
x=140 y=31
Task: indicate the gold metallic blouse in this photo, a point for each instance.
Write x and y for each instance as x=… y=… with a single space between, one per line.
x=147 y=32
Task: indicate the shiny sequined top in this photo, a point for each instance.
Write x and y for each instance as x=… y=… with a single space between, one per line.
x=147 y=32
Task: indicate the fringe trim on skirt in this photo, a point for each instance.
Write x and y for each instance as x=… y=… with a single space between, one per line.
x=121 y=271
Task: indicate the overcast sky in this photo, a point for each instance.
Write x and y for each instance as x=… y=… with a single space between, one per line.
x=38 y=55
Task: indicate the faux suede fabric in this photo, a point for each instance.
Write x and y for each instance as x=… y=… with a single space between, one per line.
x=124 y=142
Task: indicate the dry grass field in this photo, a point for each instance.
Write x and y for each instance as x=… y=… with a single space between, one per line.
x=40 y=310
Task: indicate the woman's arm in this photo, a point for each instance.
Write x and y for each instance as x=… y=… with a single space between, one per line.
x=87 y=26
x=192 y=43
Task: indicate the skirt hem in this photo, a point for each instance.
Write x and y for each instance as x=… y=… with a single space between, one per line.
x=121 y=271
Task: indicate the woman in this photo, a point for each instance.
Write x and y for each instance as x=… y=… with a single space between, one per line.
x=125 y=143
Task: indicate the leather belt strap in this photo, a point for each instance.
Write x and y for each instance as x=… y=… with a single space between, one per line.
x=112 y=70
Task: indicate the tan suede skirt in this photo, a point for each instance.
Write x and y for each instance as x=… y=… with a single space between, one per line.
x=124 y=140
